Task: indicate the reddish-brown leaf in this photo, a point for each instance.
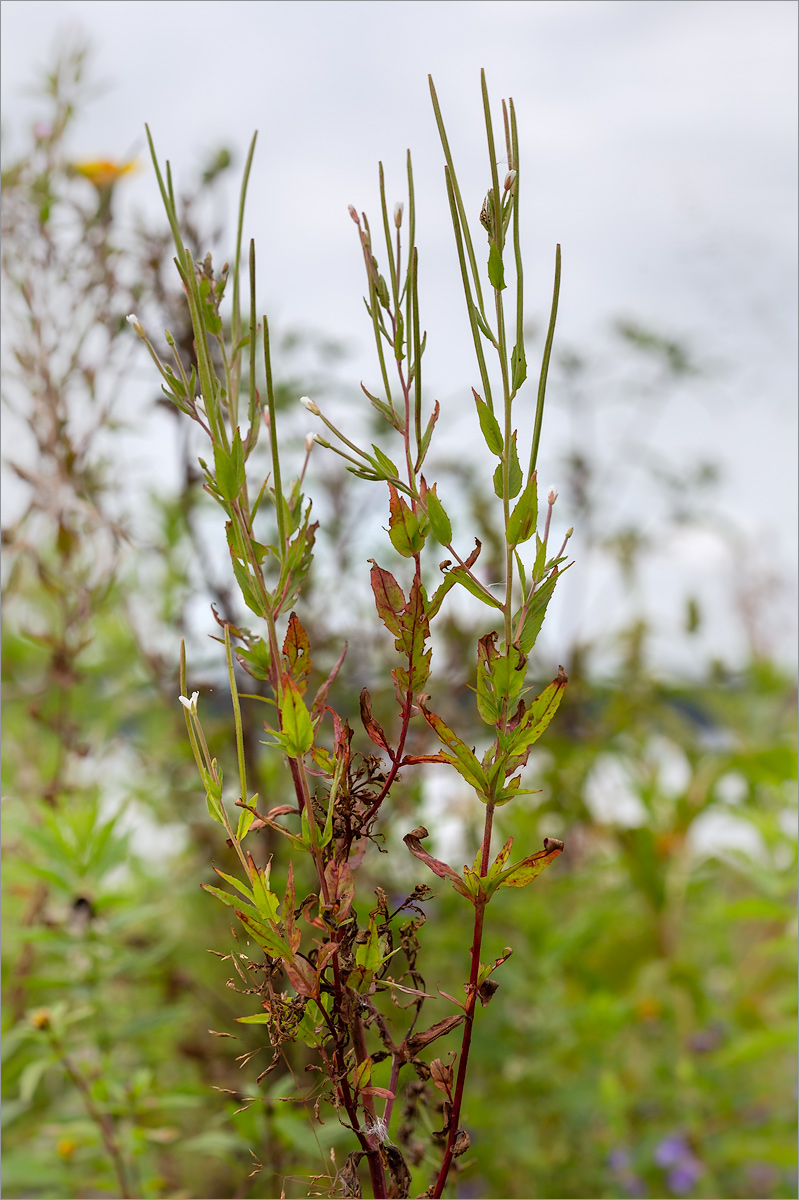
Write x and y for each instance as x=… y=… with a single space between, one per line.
x=418 y=1041
x=442 y=869
x=373 y=727
x=297 y=652
x=389 y=598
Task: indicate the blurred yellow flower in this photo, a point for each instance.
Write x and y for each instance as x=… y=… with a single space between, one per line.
x=102 y=172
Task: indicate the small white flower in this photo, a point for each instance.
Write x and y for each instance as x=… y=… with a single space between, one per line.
x=510 y=179
x=310 y=442
x=191 y=705
x=552 y=496
x=308 y=403
x=136 y=325
x=398 y=214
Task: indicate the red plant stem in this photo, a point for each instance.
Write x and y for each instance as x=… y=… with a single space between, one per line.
x=471 y=1000
x=395 y=766
x=396 y=1063
x=368 y=1145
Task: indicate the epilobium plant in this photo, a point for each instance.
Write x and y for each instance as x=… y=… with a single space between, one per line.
x=326 y=977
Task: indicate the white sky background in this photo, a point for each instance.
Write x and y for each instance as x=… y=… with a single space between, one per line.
x=658 y=146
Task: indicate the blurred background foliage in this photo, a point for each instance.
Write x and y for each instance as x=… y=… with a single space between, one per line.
x=642 y=1040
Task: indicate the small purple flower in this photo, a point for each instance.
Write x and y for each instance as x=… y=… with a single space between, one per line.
x=619 y=1159
x=619 y=1162
x=674 y=1152
x=683 y=1177
x=671 y=1150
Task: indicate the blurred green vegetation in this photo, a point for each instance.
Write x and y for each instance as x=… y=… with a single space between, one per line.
x=642 y=1038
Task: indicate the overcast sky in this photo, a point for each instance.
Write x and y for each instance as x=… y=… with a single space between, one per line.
x=658 y=141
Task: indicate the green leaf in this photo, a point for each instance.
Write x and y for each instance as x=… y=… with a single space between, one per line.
x=439 y=521
x=482 y=325
x=215 y=808
x=261 y=1018
x=295 y=720
x=489 y=425
x=389 y=468
x=246 y=819
x=536 y=611
x=367 y=954
x=267 y=938
x=240 y=887
x=247 y=587
x=225 y=477
x=489 y=705
x=31 y=1077
x=515 y=477
x=518 y=364
x=462 y=758
x=496 y=271
x=313 y=1020
x=403 y=526
x=524 y=872
x=434 y=604
x=231 y=901
x=522 y=521
x=516 y=745
x=428 y=433
x=265 y=899
x=255 y=659
x=539 y=563
x=465 y=580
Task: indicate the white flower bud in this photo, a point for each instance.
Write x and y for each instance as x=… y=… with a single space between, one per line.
x=136 y=326
x=510 y=179
x=310 y=441
x=308 y=403
x=398 y=214
x=191 y=705
x=352 y=210
x=552 y=496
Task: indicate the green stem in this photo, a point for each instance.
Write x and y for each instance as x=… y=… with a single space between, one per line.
x=270 y=400
x=234 y=695
x=542 y=381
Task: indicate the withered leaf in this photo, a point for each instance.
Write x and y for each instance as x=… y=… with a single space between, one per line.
x=372 y=727
x=419 y=1040
x=462 y=1143
x=413 y=841
x=441 y=1075
x=398 y=1173
x=486 y=991
x=348 y=1177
